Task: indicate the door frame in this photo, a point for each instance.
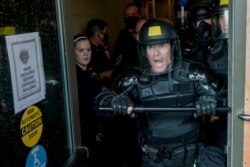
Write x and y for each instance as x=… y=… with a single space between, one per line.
x=68 y=61
x=237 y=59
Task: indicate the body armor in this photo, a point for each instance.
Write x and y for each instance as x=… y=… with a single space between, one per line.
x=171 y=137
x=218 y=58
x=173 y=89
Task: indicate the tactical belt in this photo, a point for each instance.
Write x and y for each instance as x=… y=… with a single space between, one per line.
x=179 y=156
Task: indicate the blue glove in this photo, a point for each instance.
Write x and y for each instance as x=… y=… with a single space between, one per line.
x=205 y=106
x=120 y=105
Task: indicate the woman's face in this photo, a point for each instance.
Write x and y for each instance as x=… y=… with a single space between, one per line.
x=159 y=57
x=83 y=53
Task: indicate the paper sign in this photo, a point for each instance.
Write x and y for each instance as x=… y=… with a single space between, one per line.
x=27 y=72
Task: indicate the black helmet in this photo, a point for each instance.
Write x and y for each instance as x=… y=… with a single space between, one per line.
x=199 y=12
x=201 y=15
x=159 y=31
x=220 y=5
x=221 y=8
x=181 y=3
x=156 y=31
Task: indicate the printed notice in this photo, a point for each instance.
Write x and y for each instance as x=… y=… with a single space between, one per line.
x=27 y=72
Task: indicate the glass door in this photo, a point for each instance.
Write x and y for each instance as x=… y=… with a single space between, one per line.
x=35 y=103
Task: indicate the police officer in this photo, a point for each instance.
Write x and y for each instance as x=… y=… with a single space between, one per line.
x=201 y=16
x=183 y=25
x=182 y=13
x=166 y=139
x=218 y=64
x=125 y=49
x=218 y=49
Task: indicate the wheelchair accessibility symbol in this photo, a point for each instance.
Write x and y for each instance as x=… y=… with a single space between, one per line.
x=36 y=157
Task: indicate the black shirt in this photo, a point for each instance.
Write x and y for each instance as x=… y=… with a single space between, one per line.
x=89 y=85
x=125 y=52
x=99 y=60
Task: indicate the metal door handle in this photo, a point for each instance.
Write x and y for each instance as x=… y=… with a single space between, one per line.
x=244 y=117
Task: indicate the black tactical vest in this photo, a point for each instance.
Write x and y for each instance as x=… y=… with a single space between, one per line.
x=167 y=91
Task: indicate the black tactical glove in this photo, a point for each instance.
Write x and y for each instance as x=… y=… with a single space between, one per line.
x=120 y=105
x=205 y=106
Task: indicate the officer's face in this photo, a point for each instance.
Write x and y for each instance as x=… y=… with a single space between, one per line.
x=223 y=20
x=159 y=57
x=83 y=53
x=131 y=11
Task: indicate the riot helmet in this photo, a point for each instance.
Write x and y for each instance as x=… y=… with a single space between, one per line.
x=159 y=47
x=182 y=13
x=202 y=22
x=200 y=11
x=220 y=20
x=218 y=49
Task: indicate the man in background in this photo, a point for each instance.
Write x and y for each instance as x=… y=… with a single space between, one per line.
x=125 y=49
x=97 y=31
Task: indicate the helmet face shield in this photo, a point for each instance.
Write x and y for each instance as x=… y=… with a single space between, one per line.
x=182 y=17
x=159 y=47
x=220 y=23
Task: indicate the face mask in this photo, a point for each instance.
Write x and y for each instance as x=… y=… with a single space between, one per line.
x=204 y=29
x=204 y=32
x=105 y=38
x=131 y=21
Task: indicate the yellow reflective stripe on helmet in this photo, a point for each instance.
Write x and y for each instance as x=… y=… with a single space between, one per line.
x=223 y=2
x=155 y=30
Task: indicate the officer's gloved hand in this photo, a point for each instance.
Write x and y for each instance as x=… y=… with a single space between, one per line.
x=205 y=106
x=122 y=105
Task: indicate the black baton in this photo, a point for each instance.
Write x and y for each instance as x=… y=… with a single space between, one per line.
x=164 y=109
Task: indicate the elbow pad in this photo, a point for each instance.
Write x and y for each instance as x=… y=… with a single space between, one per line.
x=104 y=98
x=126 y=80
x=207 y=81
